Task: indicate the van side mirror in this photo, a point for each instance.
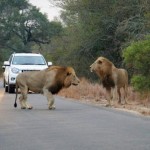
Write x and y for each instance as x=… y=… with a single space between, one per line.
x=6 y=63
x=49 y=63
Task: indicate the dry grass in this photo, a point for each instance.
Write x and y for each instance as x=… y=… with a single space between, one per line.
x=95 y=94
x=84 y=90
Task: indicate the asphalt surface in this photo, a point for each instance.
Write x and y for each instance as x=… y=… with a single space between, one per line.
x=72 y=126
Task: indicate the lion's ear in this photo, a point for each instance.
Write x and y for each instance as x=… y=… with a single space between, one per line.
x=99 y=62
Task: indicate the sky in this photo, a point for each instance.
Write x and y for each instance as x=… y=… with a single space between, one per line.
x=46 y=7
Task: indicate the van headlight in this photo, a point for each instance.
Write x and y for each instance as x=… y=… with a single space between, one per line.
x=15 y=70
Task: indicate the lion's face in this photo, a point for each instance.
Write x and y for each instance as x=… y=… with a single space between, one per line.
x=101 y=66
x=71 y=78
x=97 y=65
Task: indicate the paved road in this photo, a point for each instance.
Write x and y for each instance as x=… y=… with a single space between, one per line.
x=72 y=126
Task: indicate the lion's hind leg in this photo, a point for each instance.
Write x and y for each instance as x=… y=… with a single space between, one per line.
x=23 y=106
x=126 y=94
x=23 y=98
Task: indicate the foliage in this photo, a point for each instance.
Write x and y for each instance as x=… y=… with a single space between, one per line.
x=100 y=27
x=137 y=57
x=23 y=26
x=141 y=83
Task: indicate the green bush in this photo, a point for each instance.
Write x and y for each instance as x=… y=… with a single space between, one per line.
x=137 y=58
x=141 y=82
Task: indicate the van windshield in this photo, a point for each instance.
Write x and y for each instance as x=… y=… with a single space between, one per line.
x=28 y=60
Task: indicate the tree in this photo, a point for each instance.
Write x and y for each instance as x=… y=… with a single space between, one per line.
x=102 y=27
x=23 y=25
x=137 y=57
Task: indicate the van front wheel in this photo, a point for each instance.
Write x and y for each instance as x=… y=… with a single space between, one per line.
x=11 y=88
x=6 y=88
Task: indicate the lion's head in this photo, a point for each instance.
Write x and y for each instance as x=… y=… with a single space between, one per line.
x=71 y=78
x=102 y=66
x=65 y=77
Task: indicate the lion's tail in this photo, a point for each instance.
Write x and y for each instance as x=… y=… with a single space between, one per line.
x=15 y=104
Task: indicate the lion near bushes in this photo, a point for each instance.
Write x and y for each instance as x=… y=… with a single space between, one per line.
x=48 y=82
x=113 y=79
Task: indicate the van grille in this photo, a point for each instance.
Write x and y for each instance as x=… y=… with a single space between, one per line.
x=29 y=70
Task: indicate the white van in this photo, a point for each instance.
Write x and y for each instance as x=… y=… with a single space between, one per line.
x=20 y=62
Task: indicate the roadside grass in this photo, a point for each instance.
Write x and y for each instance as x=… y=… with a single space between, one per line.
x=85 y=90
x=93 y=91
x=95 y=94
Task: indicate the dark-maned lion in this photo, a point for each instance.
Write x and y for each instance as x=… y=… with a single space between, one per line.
x=111 y=77
x=49 y=81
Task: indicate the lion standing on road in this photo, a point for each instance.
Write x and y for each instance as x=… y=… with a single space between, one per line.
x=112 y=78
x=49 y=81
